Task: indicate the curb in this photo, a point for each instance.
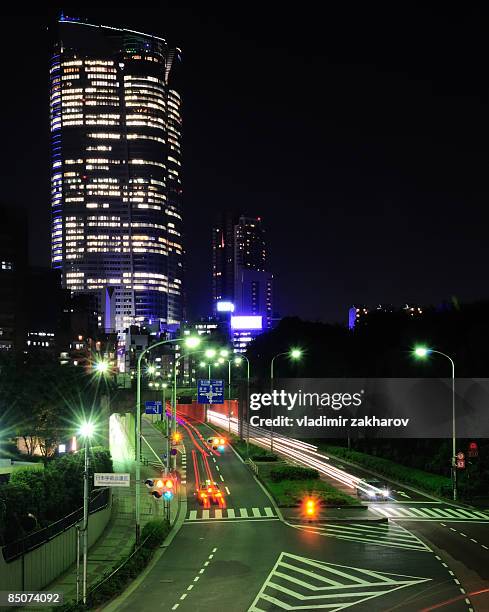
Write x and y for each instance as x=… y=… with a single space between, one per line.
x=113 y=605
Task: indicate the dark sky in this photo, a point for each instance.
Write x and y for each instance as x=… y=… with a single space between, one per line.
x=359 y=134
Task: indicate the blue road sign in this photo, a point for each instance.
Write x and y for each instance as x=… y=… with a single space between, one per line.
x=210 y=391
x=155 y=407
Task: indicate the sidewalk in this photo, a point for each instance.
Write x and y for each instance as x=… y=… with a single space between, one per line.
x=119 y=536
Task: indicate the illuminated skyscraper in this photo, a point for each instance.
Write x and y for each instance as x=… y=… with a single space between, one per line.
x=116 y=172
x=241 y=283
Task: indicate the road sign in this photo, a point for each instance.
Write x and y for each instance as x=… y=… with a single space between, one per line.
x=460 y=456
x=155 y=407
x=460 y=464
x=101 y=479
x=210 y=391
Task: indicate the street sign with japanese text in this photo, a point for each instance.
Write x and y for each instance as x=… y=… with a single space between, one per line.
x=101 y=479
x=210 y=391
x=154 y=407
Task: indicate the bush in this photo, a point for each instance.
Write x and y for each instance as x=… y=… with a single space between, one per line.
x=156 y=532
x=264 y=457
x=293 y=472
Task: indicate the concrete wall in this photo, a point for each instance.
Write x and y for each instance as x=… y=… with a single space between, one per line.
x=44 y=564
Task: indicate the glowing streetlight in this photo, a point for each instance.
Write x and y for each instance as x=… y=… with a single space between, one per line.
x=87 y=429
x=192 y=342
x=224 y=353
x=151 y=369
x=422 y=352
x=220 y=360
x=210 y=353
x=101 y=367
x=295 y=354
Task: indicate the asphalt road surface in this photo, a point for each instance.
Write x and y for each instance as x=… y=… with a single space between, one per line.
x=239 y=556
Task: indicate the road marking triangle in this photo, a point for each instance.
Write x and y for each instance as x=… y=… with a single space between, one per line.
x=334 y=587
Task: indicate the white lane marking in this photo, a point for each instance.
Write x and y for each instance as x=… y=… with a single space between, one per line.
x=243 y=512
x=175 y=606
x=228 y=491
x=218 y=513
x=190 y=587
x=193 y=515
x=205 y=514
x=231 y=513
x=221 y=477
x=214 y=550
x=256 y=512
x=217 y=468
x=183 y=596
x=269 y=511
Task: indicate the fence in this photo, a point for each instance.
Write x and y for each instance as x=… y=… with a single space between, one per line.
x=15 y=549
x=33 y=569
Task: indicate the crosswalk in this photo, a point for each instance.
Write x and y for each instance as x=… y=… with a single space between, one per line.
x=375 y=534
x=220 y=514
x=299 y=583
x=433 y=513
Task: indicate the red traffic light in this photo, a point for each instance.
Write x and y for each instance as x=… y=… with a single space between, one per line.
x=310 y=507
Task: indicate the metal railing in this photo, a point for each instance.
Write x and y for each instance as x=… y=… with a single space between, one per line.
x=16 y=549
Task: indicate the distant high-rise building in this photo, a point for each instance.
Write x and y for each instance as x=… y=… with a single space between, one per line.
x=117 y=172
x=13 y=268
x=241 y=284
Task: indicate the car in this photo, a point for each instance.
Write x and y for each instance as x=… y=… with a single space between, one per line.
x=210 y=493
x=373 y=489
x=216 y=443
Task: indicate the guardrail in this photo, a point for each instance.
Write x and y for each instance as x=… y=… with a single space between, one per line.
x=16 y=549
x=252 y=465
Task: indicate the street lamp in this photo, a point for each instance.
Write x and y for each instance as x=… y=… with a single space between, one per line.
x=101 y=366
x=295 y=354
x=238 y=361
x=86 y=431
x=422 y=352
x=190 y=341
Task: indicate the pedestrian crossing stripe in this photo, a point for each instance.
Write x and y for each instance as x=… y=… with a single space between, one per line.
x=390 y=535
x=299 y=583
x=217 y=514
x=431 y=514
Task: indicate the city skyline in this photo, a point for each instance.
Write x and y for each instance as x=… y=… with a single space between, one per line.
x=373 y=211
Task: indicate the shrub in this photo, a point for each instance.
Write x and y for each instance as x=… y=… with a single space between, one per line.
x=156 y=532
x=293 y=472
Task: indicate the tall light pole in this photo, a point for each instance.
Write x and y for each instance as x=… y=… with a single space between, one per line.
x=86 y=431
x=194 y=343
x=237 y=362
x=422 y=353
x=293 y=354
x=189 y=341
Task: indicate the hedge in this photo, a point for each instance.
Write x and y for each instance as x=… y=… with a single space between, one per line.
x=431 y=483
x=48 y=494
x=293 y=472
x=289 y=493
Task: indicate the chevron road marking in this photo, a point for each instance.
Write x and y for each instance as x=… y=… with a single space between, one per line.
x=299 y=583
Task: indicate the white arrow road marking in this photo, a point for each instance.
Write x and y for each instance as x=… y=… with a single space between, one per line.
x=298 y=583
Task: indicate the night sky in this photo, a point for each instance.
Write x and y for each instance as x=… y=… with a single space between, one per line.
x=359 y=134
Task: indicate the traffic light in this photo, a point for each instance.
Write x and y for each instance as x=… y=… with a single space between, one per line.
x=176 y=437
x=161 y=488
x=310 y=507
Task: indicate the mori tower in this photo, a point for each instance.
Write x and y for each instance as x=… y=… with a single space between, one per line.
x=116 y=184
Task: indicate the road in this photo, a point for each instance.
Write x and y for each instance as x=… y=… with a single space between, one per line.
x=240 y=557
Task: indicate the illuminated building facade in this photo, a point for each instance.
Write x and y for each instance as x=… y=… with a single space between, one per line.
x=239 y=268
x=117 y=171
